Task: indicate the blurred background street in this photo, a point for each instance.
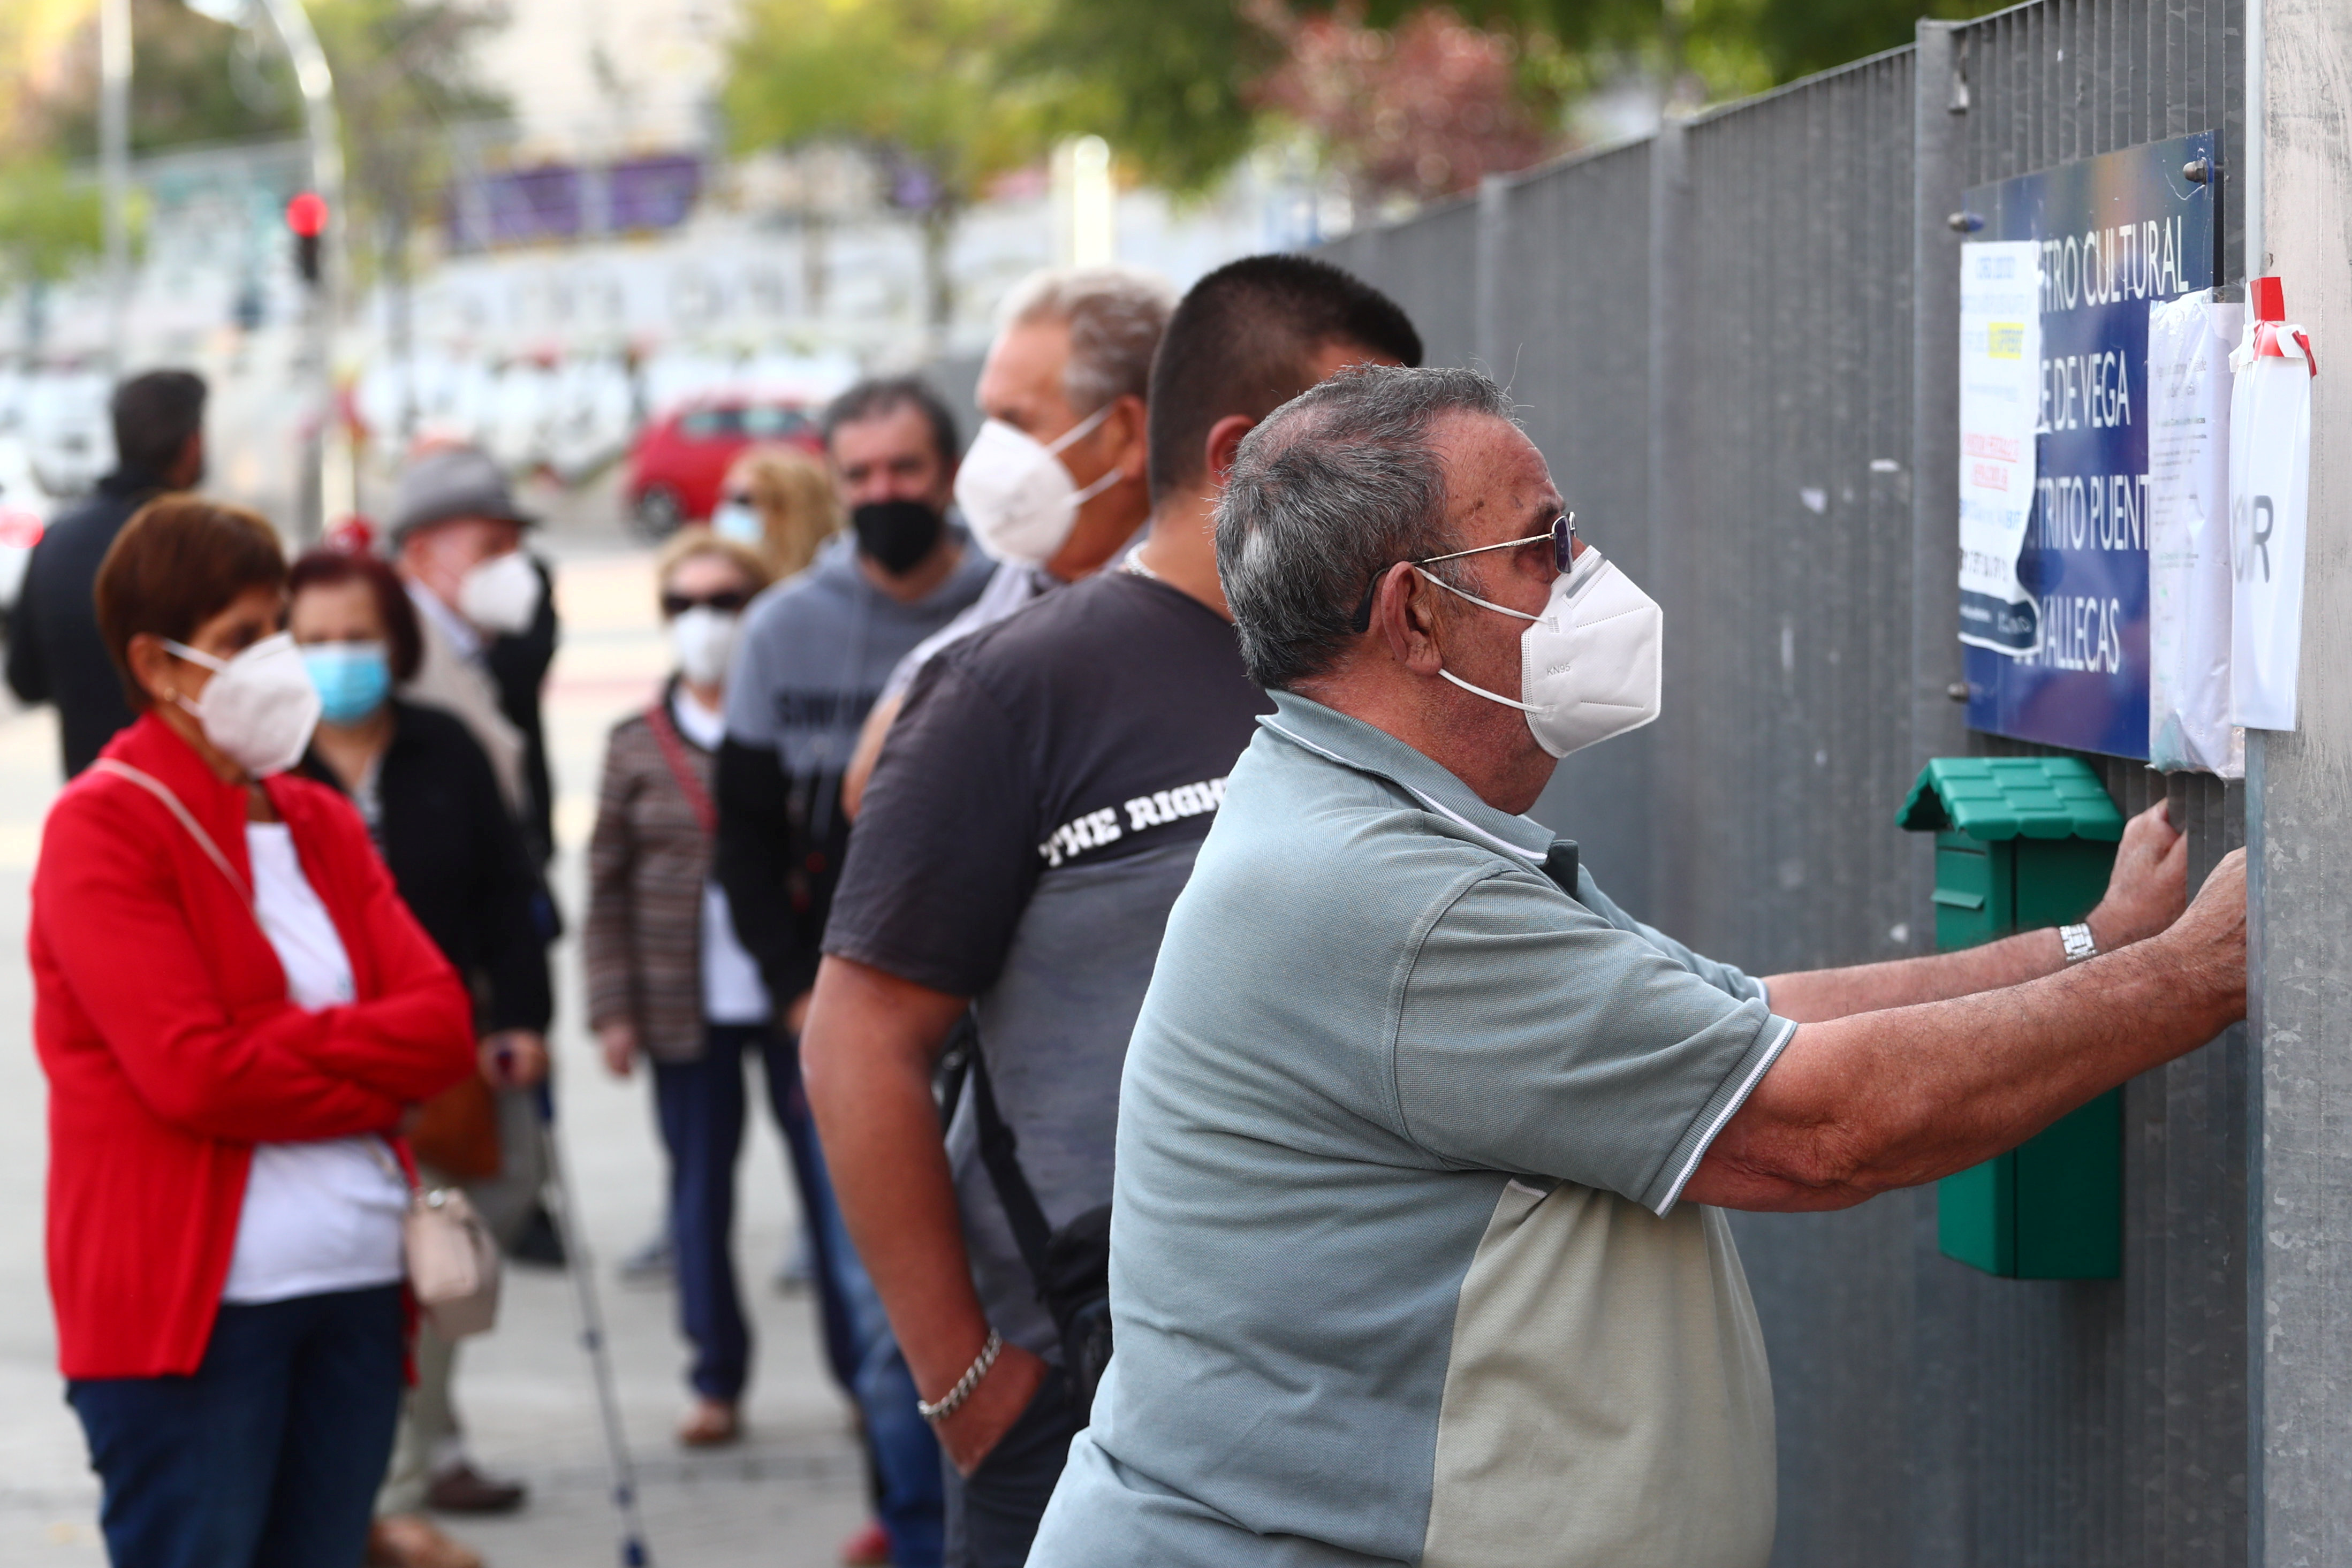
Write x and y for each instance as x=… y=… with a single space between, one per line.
x=787 y=1496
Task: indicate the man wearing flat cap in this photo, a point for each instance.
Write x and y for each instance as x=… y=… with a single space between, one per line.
x=487 y=617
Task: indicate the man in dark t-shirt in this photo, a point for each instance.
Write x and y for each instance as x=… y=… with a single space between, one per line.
x=1032 y=816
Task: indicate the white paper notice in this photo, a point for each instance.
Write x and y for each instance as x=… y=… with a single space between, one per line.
x=2270 y=495
x=2189 y=571
x=2001 y=385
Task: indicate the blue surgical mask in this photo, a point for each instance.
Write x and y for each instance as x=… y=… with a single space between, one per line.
x=353 y=678
x=740 y=521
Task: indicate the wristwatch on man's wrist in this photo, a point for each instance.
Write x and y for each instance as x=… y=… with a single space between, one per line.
x=2078 y=943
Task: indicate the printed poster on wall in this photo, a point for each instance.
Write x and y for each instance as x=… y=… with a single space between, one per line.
x=2111 y=235
x=2001 y=381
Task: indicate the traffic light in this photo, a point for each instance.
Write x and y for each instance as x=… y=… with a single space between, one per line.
x=306 y=215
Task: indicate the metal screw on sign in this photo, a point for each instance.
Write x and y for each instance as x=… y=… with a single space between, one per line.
x=1966 y=223
x=2197 y=171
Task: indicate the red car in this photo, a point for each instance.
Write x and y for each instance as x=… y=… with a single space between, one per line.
x=677 y=461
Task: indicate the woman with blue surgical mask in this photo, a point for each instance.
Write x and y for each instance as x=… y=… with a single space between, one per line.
x=777 y=502
x=424 y=787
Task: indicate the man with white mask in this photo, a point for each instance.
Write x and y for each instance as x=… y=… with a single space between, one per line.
x=456 y=542
x=1031 y=820
x=1418 y=1251
x=1053 y=485
x=489 y=634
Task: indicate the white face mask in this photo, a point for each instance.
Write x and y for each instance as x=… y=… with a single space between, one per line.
x=259 y=707
x=500 y=595
x=1589 y=664
x=704 y=640
x=740 y=521
x=1019 y=499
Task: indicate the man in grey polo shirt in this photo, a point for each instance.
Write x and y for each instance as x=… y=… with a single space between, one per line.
x=1417 y=1251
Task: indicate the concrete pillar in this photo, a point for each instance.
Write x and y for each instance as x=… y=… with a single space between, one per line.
x=2299 y=832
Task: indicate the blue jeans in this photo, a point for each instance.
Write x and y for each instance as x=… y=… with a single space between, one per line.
x=701 y=1107
x=268 y=1454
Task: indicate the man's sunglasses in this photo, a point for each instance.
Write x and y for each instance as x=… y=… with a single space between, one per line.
x=1562 y=533
x=727 y=603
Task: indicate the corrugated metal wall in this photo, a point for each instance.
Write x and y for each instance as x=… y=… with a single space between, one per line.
x=1713 y=336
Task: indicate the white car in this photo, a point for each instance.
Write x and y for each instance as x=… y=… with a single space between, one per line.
x=24 y=511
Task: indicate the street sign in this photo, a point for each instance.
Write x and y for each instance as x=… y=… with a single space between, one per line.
x=2111 y=235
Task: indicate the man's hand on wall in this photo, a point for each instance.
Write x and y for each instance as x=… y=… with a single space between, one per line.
x=2150 y=887
x=2211 y=937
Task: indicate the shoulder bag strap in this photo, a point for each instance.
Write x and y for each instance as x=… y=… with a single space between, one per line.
x=163 y=791
x=673 y=750
x=382 y=1149
x=999 y=1153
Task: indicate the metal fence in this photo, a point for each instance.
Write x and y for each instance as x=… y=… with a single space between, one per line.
x=1736 y=342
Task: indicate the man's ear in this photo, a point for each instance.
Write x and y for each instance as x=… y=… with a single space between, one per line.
x=1224 y=440
x=1405 y=614
x=1129 y=435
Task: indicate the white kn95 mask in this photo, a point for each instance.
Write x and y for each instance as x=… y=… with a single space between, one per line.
x=500 y=595
x=1014 y=493
x=1588 y=664
x=259 y=707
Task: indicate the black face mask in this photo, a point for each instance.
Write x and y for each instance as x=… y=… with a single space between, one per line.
x=896 y=533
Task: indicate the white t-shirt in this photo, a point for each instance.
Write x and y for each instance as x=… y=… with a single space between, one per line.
x=732 y=991
x=324 y=1216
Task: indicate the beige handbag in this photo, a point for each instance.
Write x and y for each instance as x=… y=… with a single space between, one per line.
x=452 y=1257
x=453 y=1261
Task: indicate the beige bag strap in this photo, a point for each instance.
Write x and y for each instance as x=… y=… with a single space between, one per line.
x=383 y=1153
x=163 y=791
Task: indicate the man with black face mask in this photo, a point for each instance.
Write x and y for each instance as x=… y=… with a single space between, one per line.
x=813 y=656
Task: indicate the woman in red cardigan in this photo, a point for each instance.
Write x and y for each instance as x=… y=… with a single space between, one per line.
x=235 y=1012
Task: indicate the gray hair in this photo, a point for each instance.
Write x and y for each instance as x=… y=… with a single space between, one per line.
x=1333 y=488
x=1116 y=314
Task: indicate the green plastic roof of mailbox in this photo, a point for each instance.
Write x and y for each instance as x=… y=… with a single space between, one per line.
x=2013 y=798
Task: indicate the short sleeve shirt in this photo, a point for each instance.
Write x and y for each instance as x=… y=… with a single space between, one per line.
x=1032 y=816
x=1398 y=1271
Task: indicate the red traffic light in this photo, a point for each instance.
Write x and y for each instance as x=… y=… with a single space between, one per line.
x=306 y=214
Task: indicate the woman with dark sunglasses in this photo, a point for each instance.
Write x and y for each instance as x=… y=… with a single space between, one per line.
x=667 y=978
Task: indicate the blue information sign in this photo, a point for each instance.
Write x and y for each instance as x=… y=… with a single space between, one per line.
x=2115 y=233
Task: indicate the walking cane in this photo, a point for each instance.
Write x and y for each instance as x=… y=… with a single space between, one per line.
x=557 y=1194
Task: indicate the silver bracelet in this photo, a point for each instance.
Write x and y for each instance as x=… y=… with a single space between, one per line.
x=952 y=1400
x=2078 y=943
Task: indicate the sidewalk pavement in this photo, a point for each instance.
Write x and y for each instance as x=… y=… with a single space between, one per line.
x=785 y=1498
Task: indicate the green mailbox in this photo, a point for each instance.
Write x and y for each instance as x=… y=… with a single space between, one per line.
x=2021 y=842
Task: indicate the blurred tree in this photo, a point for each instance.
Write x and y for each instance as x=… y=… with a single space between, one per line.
x=403 y=77
x=50 y=224
x=1418 y=111
x=1170 y=83
x=48 y=221
x=1797 y=38
x=1182 y=87
x=944 y=93
x=404 y=83
x=195 y=79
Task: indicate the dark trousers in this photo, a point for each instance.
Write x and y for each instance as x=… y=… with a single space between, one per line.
x=701 y=1104
x=701 y=1107
x=268 y=1454
x=993 y=1513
